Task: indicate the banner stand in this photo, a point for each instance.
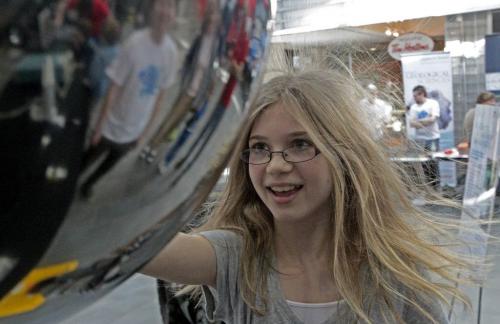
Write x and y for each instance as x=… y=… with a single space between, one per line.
x=494 y=170
x=433 y=70
x=479 y=201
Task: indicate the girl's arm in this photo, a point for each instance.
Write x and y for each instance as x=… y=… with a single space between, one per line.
x=187 y=259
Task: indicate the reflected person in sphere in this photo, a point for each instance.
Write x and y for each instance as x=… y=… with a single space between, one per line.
x=237 y=46
x=144 y=68
x=197 y=82
x=89 y=15
x=77 y=21
x=105 y=51
x=315 y=224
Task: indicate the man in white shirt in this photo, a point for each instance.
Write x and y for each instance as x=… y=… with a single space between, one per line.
x=140 y=75
x=424 y=115
x=378 y=112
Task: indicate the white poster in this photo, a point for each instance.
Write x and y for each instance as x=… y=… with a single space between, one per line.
x=480 y=183
x=479 y=192
x=433 y=71
x=479 y=195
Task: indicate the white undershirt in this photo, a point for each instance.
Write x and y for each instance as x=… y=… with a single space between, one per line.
x=313 y=313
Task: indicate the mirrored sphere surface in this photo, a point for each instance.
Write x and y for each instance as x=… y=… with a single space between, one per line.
x=116 y=121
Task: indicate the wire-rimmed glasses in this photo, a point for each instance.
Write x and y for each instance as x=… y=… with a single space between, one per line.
x=294 y=154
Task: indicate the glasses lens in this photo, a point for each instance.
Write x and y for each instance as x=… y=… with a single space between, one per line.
x=299 y=153
x=255 y=156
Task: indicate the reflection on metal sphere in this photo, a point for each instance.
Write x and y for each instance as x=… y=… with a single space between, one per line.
x=116 y=118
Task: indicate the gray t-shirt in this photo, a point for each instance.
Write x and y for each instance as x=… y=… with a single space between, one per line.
x=224 y=303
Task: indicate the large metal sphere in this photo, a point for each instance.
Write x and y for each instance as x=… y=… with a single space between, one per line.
x=62 y=247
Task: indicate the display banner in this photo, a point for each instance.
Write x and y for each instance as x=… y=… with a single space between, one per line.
x=480 y=192
x=433 y=70
x=481 y=179
x=492 y=63
x=482 y=157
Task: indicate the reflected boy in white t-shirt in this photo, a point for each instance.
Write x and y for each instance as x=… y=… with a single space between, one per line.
x=144 y=68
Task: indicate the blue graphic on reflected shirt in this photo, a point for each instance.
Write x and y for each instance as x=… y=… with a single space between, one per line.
x=149 y=77
x=422 y=114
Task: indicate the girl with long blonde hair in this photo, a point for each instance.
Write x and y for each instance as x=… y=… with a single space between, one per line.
x=316 y=223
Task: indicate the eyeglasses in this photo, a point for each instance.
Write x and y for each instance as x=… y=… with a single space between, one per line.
x=294 y=154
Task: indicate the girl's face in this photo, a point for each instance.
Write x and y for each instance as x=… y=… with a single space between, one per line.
x=293 y=192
